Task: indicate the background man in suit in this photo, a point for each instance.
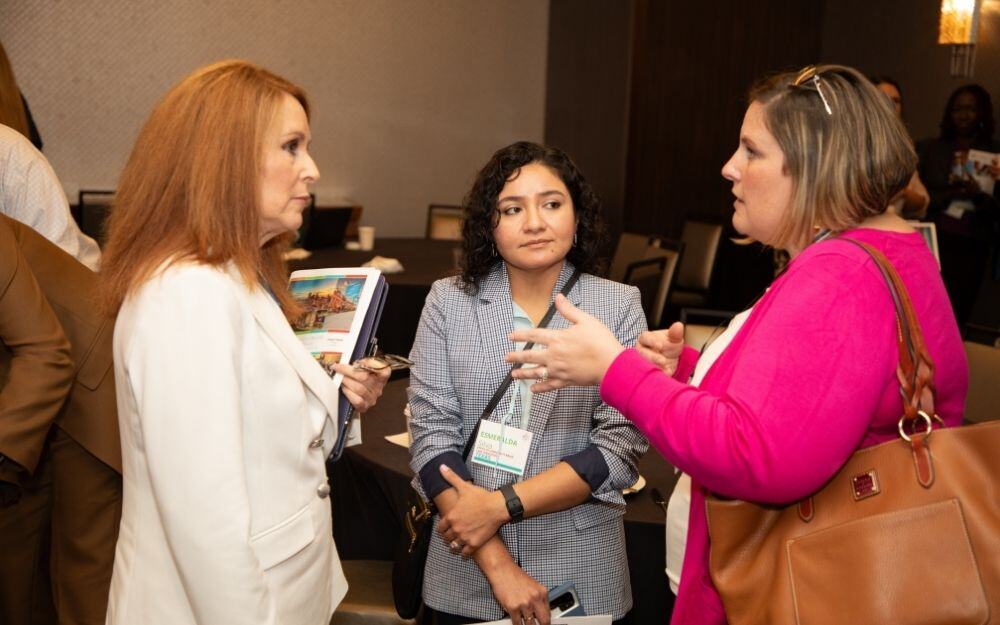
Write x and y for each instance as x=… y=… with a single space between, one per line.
x=60 y=455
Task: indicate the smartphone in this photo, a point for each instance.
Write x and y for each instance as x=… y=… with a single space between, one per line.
x=564 y=601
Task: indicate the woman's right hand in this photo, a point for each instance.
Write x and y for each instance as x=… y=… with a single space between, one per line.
x=362 y=387
x=519 y=594
x=663 y=348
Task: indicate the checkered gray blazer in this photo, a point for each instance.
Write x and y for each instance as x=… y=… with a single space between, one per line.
x=459 y=351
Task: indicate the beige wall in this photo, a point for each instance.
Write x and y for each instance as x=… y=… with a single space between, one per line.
x=410 y=97
x=899 y=38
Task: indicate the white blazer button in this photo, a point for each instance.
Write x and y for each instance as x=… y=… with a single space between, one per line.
x=316 y=443
x=323 y=491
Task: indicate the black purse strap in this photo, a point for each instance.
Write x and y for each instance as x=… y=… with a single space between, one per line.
x=509 y=379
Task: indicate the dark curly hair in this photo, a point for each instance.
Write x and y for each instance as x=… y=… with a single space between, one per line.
x=588 y=254
x=984 y=105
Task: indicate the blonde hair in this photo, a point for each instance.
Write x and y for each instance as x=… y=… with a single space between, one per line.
x=12 y=113
x=845 y=163
x=190 y=188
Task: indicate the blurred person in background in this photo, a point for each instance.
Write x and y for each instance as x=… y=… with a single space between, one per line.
x=966 y=211
x=911 y=202
x=60 y=453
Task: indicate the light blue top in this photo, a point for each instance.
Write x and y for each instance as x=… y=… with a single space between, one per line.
x=522 y=387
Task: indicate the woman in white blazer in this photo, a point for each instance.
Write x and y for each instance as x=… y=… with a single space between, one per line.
x=223 y=413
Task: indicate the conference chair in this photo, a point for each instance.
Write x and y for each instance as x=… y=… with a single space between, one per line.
x=646 y=275
x=92 y=211
x=444 y=222
x=631 y=248
x=694 y=276
x=672 y=252
x=983 y=401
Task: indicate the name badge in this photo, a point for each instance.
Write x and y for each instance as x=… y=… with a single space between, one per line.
x=502 y=447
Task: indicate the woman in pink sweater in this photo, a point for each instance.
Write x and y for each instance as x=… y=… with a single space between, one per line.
x=810 y=376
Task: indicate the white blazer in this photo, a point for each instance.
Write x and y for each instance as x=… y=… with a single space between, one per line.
x=226 y=515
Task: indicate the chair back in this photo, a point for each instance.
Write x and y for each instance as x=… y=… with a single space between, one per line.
x=701 y=244
x=444 y=222
x=324 y=227
x=671 y=252
x=92 y=211
x=631 y=248
x=353 y=222
x=646 y=275
x=981 y=404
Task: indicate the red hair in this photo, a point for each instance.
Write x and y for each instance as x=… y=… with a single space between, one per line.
x=190 y=188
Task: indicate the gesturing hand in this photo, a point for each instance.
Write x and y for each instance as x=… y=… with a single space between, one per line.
x=475 y=517
x=576 y=356
x=663 y=348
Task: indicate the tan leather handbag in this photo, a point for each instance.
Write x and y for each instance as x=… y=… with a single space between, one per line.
x=906 y=532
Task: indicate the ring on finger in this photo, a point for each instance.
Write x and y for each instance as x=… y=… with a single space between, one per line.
x=455 y=545
x=543 y=375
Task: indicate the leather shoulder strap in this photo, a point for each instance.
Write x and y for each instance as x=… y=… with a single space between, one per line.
x=509 y=379
x=916 y=369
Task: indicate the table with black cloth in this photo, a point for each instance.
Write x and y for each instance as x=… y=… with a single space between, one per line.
x=423 y=260
x=371 y=484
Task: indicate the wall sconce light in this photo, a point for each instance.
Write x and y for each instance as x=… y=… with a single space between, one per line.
x=957 y=28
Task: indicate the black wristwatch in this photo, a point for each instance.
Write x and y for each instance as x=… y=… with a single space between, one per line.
x=514 y=506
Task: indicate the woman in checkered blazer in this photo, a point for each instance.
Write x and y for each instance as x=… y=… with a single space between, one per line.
x=512 y=527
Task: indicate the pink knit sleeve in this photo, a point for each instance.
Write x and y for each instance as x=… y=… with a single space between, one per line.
x=805 y=379
x=686 y=364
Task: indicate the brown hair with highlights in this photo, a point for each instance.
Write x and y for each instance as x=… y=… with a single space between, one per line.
x=845 y=164
x=190 y=189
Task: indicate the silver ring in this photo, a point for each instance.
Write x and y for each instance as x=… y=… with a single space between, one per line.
x=455 y=546
x=544 y=377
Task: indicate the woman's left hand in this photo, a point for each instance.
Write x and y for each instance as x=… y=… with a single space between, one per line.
x=577 y=356
x=362 y=387
x=475 y=517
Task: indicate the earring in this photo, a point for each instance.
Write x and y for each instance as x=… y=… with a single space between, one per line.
x=574 y=239
x=493 y=248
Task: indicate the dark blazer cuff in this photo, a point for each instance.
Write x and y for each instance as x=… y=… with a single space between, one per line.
x=590 y=465
x=430 y=475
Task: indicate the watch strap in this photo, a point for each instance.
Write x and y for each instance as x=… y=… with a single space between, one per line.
x=514 y=506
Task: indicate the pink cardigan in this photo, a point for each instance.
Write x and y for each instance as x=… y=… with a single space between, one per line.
x=808 y=379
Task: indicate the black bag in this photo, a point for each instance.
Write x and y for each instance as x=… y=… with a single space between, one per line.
x=411 y=550
x=411 y=556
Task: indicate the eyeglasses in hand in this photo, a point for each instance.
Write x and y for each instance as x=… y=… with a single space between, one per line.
x=381 y=362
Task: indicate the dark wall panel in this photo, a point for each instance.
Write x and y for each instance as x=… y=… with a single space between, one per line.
x=900 y=39
x=692 y=65
x=587 y=88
